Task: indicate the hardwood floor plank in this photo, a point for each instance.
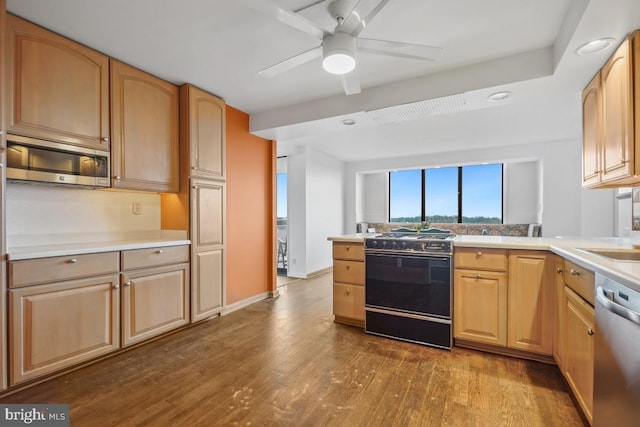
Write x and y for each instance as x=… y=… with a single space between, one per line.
x=284 y=362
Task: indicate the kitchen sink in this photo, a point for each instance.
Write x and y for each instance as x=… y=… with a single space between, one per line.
x=616 y=254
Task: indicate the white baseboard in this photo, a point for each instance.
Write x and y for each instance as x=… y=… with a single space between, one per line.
x=245 y=302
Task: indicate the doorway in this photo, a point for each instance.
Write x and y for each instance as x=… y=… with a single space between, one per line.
x=282 y=234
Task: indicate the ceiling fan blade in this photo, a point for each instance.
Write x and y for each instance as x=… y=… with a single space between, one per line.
x=399 y=50
x=365 y=11
x=292 y=62
x=351 y=83
x=271 y=8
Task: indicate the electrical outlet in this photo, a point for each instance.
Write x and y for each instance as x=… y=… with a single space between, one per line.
x=136 y=208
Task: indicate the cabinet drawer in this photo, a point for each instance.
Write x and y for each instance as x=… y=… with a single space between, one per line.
x=54 y=269
x=581 y=280
x=348 y=250
x=151 y=257
x=348 y=272
x=348 y=301
x=480 y=259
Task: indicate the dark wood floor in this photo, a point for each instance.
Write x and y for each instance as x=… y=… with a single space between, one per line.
x=284 y=362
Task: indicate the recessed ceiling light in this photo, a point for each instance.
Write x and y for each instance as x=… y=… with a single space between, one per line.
x=595 y=46
x=348 y=122
x=499 y=96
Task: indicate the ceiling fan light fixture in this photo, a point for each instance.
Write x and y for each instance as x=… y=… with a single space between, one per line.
x=339 y=53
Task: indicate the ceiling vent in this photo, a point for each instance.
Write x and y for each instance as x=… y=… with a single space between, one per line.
x=418 y=110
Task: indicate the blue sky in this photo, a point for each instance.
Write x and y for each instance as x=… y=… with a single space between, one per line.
x=281 y=189
x=482 y=191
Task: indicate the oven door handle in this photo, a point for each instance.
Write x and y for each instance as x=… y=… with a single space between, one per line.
x=605 y=298
x=407 y=255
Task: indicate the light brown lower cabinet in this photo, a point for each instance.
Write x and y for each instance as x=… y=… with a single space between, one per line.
x=480 y=306
x=348 y=301
x=58 y=325
x=578 y=360
x=207 y=297
x=154 y=301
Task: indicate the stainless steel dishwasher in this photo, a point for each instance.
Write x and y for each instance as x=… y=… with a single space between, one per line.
x=616 y=391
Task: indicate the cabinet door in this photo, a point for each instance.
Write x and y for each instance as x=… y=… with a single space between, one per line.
x=59 y=88
x=207 y=214
x=204 y=120
x=579 y=320
x=207 y=295
x=480 y=306
x=558 y=339
x=591 y=132
x=530 y=301
x=154 y=301
x=617 y=114
x=144 y=116
x=348 y=302
x=59 y=325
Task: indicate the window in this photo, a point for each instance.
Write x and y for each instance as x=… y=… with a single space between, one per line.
x=463 y=194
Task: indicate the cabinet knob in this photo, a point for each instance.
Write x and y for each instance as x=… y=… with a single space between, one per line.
x=127 y=283
x=117 y=177
x=574 y=272
x=1 y=165
x=195 y=168
x=116 y=286
x=589 y=331
x=160 y=251
x=478 y=276
x=348 y=247
x=479 y=253
x=558 y=270
x=348 y=267
x=195 y=187
x=105 y=139
x=72 y=261
x=348 y=291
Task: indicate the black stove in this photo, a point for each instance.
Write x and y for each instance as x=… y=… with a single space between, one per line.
x=440 y=242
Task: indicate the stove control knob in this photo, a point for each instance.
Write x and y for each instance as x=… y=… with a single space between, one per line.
x=393 y=245
x=374 y=243
x=384 y=244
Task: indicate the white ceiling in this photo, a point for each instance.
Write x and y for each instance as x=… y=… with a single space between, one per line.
x=524 y=46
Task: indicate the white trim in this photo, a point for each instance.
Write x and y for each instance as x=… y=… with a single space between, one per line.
x=244 y=303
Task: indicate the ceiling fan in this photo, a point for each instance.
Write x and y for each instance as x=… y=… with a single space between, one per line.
x=338 y=48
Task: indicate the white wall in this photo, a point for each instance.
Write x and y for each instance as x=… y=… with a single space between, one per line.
x=521 y=199
x=49 y=210
x=563 y=205
x=316 y=204
x=375 y=194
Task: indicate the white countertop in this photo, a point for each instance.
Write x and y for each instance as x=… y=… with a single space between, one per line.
x=29 y=247
x=625 y=272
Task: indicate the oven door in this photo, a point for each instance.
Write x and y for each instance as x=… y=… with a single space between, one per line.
x=407 y=283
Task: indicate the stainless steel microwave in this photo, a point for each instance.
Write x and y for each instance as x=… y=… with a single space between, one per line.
x=30 y=159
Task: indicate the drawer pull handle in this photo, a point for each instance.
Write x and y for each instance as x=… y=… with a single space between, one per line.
x=127 y=283
x=574 y=272
x=348 y=292
x=72 y=261
x=478 y=276
x=589 y=331
x=348 y=247
x=479 y=254
x=160 y=251
x=348 y=267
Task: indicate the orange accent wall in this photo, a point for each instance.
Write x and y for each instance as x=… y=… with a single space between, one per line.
x=251 y=163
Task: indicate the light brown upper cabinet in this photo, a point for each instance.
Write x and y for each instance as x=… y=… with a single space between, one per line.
x=610 y=119
x=203 y=127
x=58 y=90
x=144 y=119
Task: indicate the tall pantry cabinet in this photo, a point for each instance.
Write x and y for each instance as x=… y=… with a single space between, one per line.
x=200 y=205
x=3 y=249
